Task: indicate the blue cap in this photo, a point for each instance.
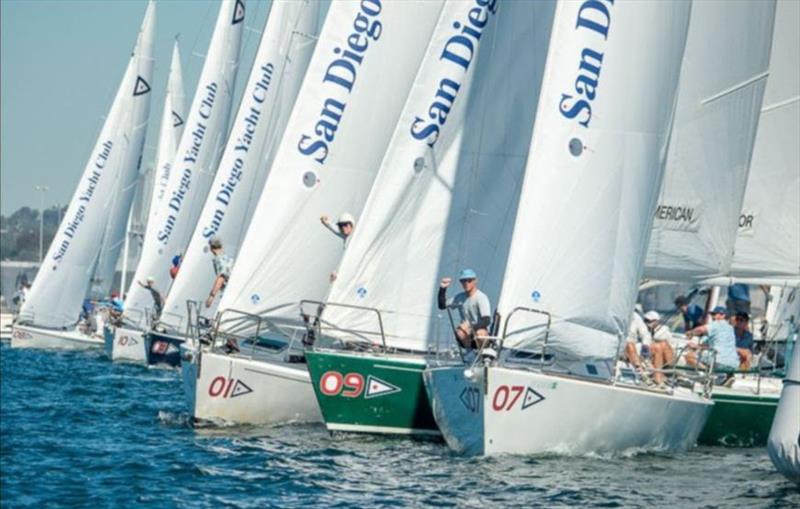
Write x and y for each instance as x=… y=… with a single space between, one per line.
x=719 y=309
x=467 y=274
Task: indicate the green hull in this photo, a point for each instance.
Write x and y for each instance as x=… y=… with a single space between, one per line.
x=372 y=394
x=739 y=421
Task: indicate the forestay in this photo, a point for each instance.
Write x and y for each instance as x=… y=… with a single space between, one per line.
x=347 y=109
x=721 y=88
x=280 y=64
x=447 y=192
x=768 y=242
x=593 y=173
x=64 y=278
x=195 y=162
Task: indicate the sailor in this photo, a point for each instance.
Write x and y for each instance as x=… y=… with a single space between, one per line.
x=693 y=315
x=116 y=306
x=744 y=339
x=222 y=269
x=738 y=298
x=473 y=307
x=343 y=230
x=176 y=266
x=719 y=336
x=661 y=350
x=638 y=337
x=158 y=301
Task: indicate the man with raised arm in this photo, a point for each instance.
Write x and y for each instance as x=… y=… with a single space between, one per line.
x=473 y=307
x=343 y=230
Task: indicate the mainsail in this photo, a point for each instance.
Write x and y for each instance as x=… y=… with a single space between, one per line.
x=768 y=242
x=453 y=180
x=593 y=174
x=64 y=277
x=722 y=83
x=280 y=64
x=194 y=164
x=356 y=84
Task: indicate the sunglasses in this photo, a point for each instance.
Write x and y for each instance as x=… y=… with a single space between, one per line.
x=342 y=225
x=467 y=280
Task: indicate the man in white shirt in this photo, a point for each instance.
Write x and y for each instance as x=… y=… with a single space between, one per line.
x=638 y=338
x=661 y=350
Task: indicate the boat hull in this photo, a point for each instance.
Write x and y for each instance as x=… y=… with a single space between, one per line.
x=370 y=393
x=163 y=349
x=126 y=345
x=498 y=410
x=233 y=389
x=28 y=336
x=741 y=417
x=6 y=326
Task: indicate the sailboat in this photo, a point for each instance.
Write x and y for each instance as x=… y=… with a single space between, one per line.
x=280 y=64
x=357 y=81
x=131 y=347
x=49 y=317
x=444 y=199
x=767 y=246
x=191 y=172
x=548 y=383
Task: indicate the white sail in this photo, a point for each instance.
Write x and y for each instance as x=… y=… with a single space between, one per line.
x=55 y=298
x=358 y=79
x=195 y=162
x=454 y=183
x=172 y=123
x=719 y=97
x=768 y=241
x=593 y=174
x=128 y=176
x=280 y=64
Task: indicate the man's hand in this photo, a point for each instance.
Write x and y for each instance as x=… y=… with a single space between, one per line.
x=324 y=219
x=445 y=282
x=209 y=301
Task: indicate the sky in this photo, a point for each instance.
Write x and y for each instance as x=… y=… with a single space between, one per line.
x=61 y=62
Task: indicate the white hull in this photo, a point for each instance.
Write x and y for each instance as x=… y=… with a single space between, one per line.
x=127 y=345
x=28 y=336
x=239 y=390
x=525 y=412
x=784 y=437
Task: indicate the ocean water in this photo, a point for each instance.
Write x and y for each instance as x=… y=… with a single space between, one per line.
x=77 y=431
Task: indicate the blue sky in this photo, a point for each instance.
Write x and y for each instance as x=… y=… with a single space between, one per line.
x=61 y=62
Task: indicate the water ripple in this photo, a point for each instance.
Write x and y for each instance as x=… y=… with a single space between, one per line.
x=76 y=430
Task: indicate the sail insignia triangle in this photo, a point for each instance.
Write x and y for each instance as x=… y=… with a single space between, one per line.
x=238 y=12
x=141 y=87
x=176 y=120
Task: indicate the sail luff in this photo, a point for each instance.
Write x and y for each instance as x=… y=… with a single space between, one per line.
x=64 y=278
x=277 y=73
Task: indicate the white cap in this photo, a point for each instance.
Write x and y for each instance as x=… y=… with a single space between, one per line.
x=151 y=279
x=346 y=218
x=652 y=316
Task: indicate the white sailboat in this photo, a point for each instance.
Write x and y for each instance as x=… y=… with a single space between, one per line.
x=192 y=170
x=358 y=79
x=131 y=347
x=49 y=316
x=593 y=173
x=444 y=199
x=280 y=64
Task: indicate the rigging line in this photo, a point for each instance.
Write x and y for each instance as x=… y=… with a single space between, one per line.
x=781 y=104
x=746 y=83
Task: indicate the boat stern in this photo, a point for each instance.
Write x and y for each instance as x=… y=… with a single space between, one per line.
x=163 y=349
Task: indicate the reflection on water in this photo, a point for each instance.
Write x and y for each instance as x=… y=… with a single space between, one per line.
x=76 y=430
